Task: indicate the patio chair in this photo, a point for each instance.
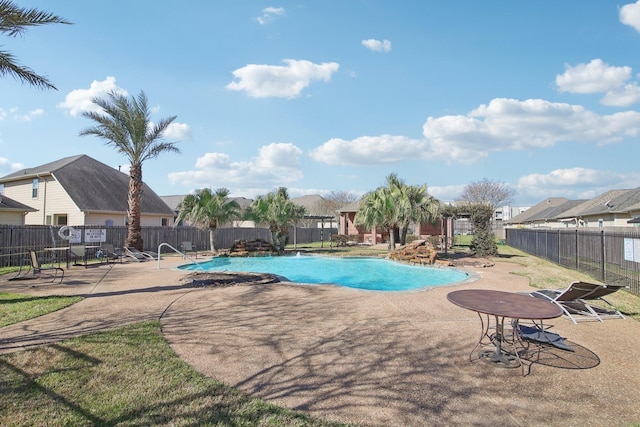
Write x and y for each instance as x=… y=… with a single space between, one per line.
x=78 y=252
x=188 y=246
x=573 y=300
x=39 y=269
x=112 y=254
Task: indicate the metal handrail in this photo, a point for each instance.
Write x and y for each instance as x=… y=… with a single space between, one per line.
x=175 y=250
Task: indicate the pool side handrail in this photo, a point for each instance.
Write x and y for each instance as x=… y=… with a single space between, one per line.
x=175 y=250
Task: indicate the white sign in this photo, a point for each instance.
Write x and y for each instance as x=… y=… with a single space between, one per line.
x=94 y=235
x=632 y=250
x=75 y=236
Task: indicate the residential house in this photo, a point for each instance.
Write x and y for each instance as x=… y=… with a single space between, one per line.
x=175 y=201
x=541 y=214
x=12 y=212
x=615 y=212
x=574 y=217
x=80 y=190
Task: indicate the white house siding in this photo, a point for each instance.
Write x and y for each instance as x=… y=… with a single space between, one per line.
x=102 y=218
x=118 y=219
x=11 y=218
x=58 y=201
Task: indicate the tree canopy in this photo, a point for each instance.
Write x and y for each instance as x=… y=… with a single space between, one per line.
x=207 y=209
x=277 y=211
x=485 y=191
x=14 y=21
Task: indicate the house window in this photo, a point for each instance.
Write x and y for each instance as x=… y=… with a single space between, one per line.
x=109 y=223
x=165 y=222
x=47 y=220
x=34 y=188
x=60 y=219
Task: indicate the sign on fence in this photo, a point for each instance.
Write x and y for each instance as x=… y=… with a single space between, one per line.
x=632 y=250
x=95 y=235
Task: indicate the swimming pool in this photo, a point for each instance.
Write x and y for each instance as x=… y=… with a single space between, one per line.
x=353 y=272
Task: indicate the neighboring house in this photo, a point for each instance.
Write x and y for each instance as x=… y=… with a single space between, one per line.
x=614 y=208
x=12 y=212
x=615 y=212
x=574 y=217
x=79 y=190
x=539 y=214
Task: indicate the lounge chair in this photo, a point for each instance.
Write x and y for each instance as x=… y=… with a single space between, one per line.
x=136 y=255
x=147 y=255
x=573 y=300
x=39 y=269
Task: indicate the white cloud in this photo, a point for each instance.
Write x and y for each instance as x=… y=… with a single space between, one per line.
x=502 y=125
x=594 y=77
x=264 y=81
x=447 y=193
x=178 y=131
x=269 y=13
x=277 y=164
x=574 y=183
x=368 y=150
x=7 y=166
x=79 y=100
x=630 y=15
x=14 y=114
x=599 y=77
x=377 y=45
x=510 y=124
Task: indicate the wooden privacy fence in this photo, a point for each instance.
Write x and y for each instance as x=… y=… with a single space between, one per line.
x=609 y=256
x=16 y=241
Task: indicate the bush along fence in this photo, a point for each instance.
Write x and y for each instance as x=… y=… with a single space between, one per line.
x=16 y=241
x=609 y=256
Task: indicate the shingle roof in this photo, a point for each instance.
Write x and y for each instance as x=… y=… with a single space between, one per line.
x=94 y=186
x=598 y=201
x=625 y=202
x=541 y=209
x=8 y=204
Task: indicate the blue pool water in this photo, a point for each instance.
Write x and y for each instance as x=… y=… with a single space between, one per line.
x=362 y=273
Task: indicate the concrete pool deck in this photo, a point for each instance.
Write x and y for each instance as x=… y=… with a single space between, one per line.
x=372 y=358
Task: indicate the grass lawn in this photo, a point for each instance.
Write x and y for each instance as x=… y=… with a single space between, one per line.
x=16 y=308
x=126 y=377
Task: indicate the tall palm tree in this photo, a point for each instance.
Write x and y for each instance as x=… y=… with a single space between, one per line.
x=124 y=123
x=207 y=209
x=277 y=211
x=14 y=21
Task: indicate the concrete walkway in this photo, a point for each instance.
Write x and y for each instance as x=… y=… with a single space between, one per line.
x=373 y=358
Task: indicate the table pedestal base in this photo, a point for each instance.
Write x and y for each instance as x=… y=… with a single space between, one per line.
x=503 y=360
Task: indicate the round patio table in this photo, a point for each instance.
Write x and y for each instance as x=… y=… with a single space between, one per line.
x=498 y=305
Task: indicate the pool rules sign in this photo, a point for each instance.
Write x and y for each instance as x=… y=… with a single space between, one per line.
x=632 y=250
x=95 y=235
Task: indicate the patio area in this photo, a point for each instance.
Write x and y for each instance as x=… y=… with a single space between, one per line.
x=346 y=355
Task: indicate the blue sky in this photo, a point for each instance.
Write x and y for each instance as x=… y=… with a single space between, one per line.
x=334 y=95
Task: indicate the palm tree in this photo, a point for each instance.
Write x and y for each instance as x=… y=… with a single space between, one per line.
x=125 y=124
x=379 y=208
x=277 y=212
x=209 y=210
x=14 y=21
x=395 y=206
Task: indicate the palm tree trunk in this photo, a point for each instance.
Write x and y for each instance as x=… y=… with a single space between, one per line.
x=134 y=228
x=212 y=239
